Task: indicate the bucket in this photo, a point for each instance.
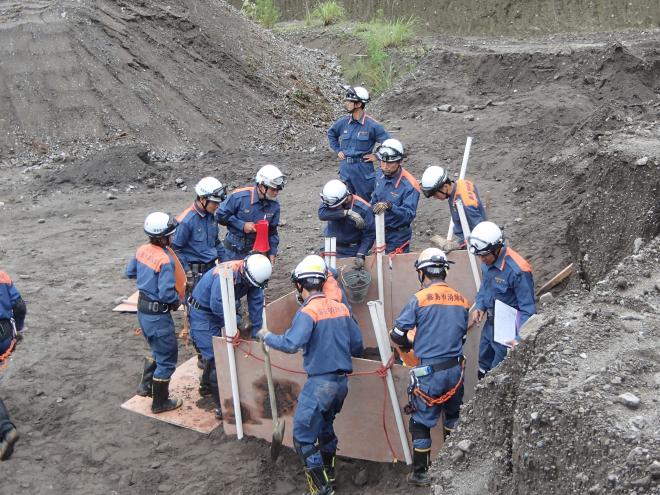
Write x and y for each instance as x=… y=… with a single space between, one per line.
x=356 y=284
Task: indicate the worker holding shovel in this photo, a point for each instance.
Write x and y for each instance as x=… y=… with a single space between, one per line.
x=328 y=336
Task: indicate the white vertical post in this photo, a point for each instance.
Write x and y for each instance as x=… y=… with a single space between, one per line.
x=326 y=250
x=333 y=250
x=385 y=353
x=466 y=155
x=229 y=311
x=380 y=252
x=466 y=233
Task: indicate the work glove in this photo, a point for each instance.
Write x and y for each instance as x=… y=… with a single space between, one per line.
x=356 y=218
x=358 y=264
x=381 y=207
x=261 y=334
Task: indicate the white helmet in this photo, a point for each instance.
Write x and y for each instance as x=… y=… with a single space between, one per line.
x=433 y=179
x=485 y=238
x=271 y=176
x=390 y=151
x=212 y=189
x=160 y=224
x=357 y=94
x=334 y=193
x=258 y=269
x=432 y=261
x=312 y=266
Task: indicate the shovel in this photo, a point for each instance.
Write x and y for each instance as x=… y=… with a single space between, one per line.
x=278 y=428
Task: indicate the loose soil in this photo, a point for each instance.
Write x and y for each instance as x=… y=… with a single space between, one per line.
x=113 y=109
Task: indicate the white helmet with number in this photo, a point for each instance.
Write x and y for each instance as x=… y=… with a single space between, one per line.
x=390 y=151
x=312 y=266
x=212 y=189
x=258 y=269
x=334 y=193
x=160 y=224
x=433 y=179
x=432 y=261
x=357 y=94
x=271 y=176
x=485 y=238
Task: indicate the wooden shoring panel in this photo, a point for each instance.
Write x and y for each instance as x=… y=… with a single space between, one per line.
x=184 y=385
x=359 y=426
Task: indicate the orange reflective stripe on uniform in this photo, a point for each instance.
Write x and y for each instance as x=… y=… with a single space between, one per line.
x=5 y=278
x=466 y=193
x=324 y=309
x=151 y=256
x=331 y=288
x=440 y=294
x=183 y=214
x=359 y=200
x=179 y=275
x=409 y=178
x=519 y=260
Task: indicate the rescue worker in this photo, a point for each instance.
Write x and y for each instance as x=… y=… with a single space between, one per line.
x=207 y=314
x=196 y=241
x=353 y=137
x=506 y=277
x=328 y=336
x=396 y=194
x=437 y=184
x=440 y=316
x=161 y=281
x=350 y=220
x=245 y=207
x=12 y=320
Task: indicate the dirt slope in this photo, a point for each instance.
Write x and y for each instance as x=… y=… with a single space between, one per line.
x=179 y=77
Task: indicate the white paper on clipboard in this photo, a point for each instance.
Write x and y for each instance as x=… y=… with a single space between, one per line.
x=505 y=322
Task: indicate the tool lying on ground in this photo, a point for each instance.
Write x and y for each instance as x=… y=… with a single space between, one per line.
x=278 y=428
x=447 y=245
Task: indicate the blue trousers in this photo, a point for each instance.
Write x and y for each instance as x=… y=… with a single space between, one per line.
x=491 y=353
x=320 y=400
x=5 y=422
x=435 y=385
x=159 y=332
x=359 y=177
x=203 y=327
x=4 y=344
x=394 y=240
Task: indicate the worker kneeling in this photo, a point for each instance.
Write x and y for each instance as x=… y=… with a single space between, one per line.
x=440 y=316
x=329 y=337
x=207 y=315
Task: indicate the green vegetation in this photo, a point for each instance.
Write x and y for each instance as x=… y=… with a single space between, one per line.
x=328 y=12
x=376 y=69
x=262 y=11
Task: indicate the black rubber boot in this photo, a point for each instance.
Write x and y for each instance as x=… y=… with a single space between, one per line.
x=200 y=360
x=329 y=466
x=8 y=434
x=215 y=391
x=148 y=368
x=318 y=482
x=204 y=382
x=161 y=401
x=421 y=463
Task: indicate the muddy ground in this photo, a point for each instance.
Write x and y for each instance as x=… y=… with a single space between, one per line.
x=111 y=110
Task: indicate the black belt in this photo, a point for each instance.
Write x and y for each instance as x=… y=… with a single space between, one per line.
x=201 y=267
x=397 y=229
x=231 y=247
x=348 y=244
x=351 y=159
x=194 y=304
x=332 y=373
x=149 y=307
x=446 y=364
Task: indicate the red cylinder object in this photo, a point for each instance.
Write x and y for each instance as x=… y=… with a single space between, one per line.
x=261 y=243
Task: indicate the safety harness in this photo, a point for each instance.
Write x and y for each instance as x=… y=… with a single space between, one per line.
x=414 y=390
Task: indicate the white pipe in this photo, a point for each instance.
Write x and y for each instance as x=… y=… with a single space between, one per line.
x=466 y=234
x=229 y=312
x=461 y=176
x=326 y=250
x=380 y=251
x=333 y=250
x=377 y=320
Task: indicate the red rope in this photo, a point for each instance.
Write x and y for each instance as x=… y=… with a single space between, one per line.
x=236 y=341
x=4 y=357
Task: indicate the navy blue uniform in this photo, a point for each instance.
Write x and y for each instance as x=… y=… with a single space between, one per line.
x=244 y=206
x=196 y=238
x=356 y=138
x=328 y=336
x=351 y=241
x=402 y=191
x=10 y=320
x=475 y=213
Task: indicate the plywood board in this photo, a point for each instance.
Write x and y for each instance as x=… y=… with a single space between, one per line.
x=183 y=385
x=359 y=426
